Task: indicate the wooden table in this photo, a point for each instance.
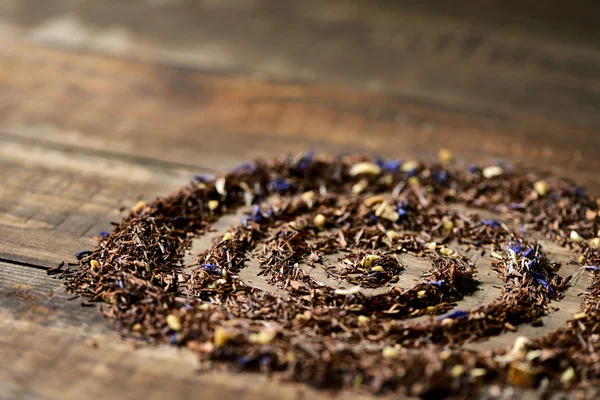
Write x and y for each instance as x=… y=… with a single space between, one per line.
x=105 y=103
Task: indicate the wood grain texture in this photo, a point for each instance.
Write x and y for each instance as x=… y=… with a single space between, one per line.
x=146 y=112
x=52 y=202
x=101 y=105
x=505 y=56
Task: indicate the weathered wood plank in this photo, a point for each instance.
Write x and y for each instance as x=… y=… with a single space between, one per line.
x=178 y=117
x=53 y=202
x=510 y=56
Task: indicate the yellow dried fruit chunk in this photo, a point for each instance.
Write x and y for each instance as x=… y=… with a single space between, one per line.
x=414 y=181
x=359 y=187
x=369 y=201
x=222 y=336
x=568 y=376
x=174 y=322
x=574 y=237
x=392 y=235
x=265 y=336
x=492 y=172
x=227 y=236
x=308 y=196
x=139 y=206
x=478 y=372
x=220 y=186
x=445 y=156
x=319 y=221
x=457 y=371
x=448 y=225
x=213 y=204
x=541 y=187
x=410 y=165
x=390 y=352
x=446 y=251
x=580 y=315
x=352 y=290
x=367 y=168
x=367 y=260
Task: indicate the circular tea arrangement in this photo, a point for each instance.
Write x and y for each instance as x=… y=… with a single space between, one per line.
x=367 y=215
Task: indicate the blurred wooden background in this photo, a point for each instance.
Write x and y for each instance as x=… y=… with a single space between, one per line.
x=106 y=102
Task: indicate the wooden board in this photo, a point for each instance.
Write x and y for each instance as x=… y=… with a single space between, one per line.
x=101 y=106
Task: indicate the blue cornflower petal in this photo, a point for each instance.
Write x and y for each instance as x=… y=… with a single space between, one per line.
x=435 y=283
x=541 y=279
x=204 y=177
x=491 y=222
x=253 y=362
x=180 y=219
x=532 y=264
x=458 y=314
x=257 y=214
x=517 y=248
x=279 y=185
x=212 y=268
x=591 y=268
x=173 y=338
x=401 y=210
x=104 y=233
x=442 y=176
x=82 y=254
x=306 y=159
x=391 y=166
x=528 y=252
x=473 y=168
x=245 y=166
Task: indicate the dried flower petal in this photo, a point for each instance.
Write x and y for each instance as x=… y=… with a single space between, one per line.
x=82 y=254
